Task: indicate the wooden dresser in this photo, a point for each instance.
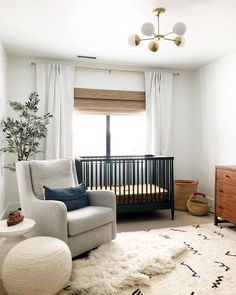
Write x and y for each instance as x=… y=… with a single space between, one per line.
x=225 y=194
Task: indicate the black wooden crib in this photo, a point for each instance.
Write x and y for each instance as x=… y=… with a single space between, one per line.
x=139 y=182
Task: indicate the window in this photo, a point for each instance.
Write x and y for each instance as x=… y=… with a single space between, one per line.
x=108 y=122
x=89 y=135
x=100 y=135
x=127 y=135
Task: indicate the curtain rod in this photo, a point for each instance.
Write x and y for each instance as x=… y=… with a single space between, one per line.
x=113 y=70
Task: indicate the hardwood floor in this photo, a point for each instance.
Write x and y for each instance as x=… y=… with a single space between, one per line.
x=158 y=219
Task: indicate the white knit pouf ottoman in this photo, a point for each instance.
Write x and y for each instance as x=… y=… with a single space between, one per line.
x=39 y=266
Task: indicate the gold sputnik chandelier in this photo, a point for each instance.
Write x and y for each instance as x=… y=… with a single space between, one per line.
x=148 y=30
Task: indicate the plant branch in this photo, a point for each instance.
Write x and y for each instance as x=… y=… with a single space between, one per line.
x=23 y=135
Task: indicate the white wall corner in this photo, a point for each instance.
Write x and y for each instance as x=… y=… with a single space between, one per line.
x=211 y=202
x=3 y=100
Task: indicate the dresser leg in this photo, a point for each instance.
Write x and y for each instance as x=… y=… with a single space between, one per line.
x=172 y=213
x=216 y=220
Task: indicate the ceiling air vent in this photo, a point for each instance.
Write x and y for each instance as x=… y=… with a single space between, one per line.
x=86 y=56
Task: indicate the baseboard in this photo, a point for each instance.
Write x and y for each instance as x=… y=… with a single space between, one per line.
x=10 y=207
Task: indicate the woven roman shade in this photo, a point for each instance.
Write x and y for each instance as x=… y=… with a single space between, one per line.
x=108 y=101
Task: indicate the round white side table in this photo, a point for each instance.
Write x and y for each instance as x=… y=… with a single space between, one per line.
x=11 y=235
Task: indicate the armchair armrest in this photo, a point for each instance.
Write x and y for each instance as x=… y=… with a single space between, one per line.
x=104 y=198
x=50 y=217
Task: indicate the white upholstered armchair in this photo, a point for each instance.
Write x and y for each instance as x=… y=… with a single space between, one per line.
x=82 y=229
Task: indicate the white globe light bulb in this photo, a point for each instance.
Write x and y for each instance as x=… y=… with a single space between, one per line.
x=147 y=29
x=179 y=29
x=134 y=40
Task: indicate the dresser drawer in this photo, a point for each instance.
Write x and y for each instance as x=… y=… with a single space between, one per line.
x=225 y=190
x=226 y=214
x=226 y=201
x=226 y=176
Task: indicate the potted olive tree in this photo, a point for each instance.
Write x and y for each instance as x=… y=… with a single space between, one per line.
x=23 y=133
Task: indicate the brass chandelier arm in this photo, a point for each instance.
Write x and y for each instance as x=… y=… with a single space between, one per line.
x=168 y=33
x=145 y=39
x=158 y=24
x=168 y=39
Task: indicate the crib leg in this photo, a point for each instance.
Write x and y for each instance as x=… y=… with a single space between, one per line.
x=172 y=213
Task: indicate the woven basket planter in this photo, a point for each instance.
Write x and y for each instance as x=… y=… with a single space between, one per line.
x=198 y=205
x=183 y=190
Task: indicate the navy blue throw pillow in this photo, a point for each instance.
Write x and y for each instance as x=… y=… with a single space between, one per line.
x=73 y=197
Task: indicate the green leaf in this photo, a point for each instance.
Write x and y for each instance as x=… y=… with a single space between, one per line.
x=23 y=135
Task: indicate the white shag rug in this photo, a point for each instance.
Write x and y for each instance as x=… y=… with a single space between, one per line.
x=141 y=263
x=126 y=262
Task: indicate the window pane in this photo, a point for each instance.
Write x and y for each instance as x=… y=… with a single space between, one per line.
x=128 y=135
x=89 y=135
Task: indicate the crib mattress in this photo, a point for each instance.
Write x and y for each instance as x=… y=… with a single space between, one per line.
x=137 y=194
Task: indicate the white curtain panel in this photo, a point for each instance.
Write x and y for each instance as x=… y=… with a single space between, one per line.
x=159 y=88
x=55 y=86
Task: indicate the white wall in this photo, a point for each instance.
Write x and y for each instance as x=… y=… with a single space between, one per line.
x=215 y=89
x=185 y=122
x=3 y=84
x=22 y=82
x=101 y=79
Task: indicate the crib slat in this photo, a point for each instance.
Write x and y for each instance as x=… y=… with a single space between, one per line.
x=128 y=180
x=115 y=177
x=159 y=176
x=142 y=178
x=155 y=178
x=150 y=181
x=172 y=190
x=87 y=175
x=111 y=174
x=91 y=174
x=137 y=181
x=133 y=180
x=124 y=197
x=146 y=180
x=100 y=174
x=168 y=179
x=120 y=182
x=164 y=174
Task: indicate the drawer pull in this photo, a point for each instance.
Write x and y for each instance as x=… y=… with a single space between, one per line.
x=220 y=207
x=221 y=191
x=227 y=176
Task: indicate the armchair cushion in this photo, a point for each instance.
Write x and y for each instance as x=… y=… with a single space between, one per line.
x=85 y=219
x=51 y=173
x=73 y=197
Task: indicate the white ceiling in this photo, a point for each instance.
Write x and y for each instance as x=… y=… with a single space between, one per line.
x=63 y=29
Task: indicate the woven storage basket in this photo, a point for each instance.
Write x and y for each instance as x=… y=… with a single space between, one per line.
x=198 y=205
x=183 y=190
